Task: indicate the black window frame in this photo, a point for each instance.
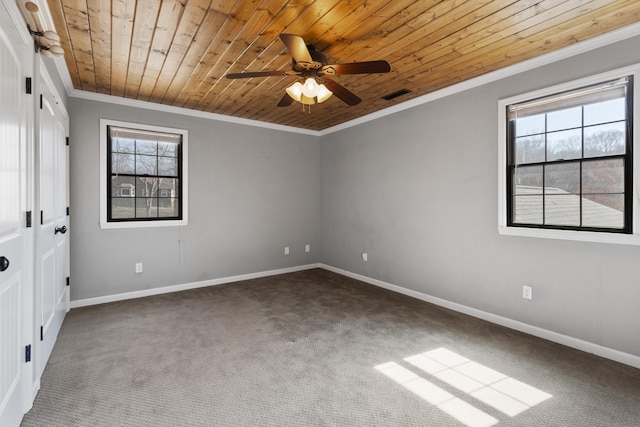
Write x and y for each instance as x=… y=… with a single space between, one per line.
x=135 y=176
x=627 y=159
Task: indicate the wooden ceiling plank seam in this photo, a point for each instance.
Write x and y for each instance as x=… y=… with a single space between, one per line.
x=100 y=27
x=553 y=38
x=267 y=41
x=448 y=24
x=203 y=59
x=459 y=22
x=609 y=18
x=60 y=22
x=170 y=15
x=420 y=28
x=528 y=27
x=214 y=24
x=202 y=78
x=361 y=28
x=75 y=12
x=272 y=56
x=394 y=27
x=194 y=13
x=502 y=19
x=359 y=18
x=145 y=23
x=318 y=13
x=539 y=19
x=122 y=16
x=268 y=46
x=447 y=55
x=459 y=19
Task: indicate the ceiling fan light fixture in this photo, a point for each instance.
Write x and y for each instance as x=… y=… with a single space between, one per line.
x=307 y=100
x=323 y=93
x=295 y=91
x=310 y=88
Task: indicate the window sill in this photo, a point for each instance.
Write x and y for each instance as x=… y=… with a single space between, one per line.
x=142 y=224
x=579 y=236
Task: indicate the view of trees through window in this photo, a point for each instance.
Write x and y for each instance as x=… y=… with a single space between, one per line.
x=568 y=166
x=144 y=169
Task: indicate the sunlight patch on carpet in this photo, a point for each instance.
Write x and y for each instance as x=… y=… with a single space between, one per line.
x=488 y=386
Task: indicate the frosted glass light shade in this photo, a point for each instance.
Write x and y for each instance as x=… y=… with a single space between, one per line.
x=295 y=91
x=323 y=93
x=310 y=88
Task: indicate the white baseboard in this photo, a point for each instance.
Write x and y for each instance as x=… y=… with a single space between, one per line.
x=186 y=286
x=589 y=347
x=586 y=346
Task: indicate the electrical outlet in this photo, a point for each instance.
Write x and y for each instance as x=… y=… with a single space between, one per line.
x=286 y=250
x=365 y=257
x=527 y=292
x=307 y=248
x=138 y=267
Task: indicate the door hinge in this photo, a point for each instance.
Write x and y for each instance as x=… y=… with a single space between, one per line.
x=41 y=101
x=28 y=85
x=28 y=219
x=27 y=353
x=67 y=140
x=41 y=333
x=67 y=280
x=41 y=217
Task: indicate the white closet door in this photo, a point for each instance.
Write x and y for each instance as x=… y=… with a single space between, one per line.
x=13 y=234
x=52 y=224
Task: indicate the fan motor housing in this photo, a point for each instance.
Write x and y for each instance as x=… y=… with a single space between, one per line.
x=319 y=60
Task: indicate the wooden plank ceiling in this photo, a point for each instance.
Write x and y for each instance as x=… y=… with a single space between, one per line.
x=177 y=52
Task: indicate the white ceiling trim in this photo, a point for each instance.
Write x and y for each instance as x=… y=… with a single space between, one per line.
x=549 y=58
x=186 y=111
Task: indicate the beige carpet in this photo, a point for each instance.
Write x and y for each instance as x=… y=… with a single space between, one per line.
x=317 y=349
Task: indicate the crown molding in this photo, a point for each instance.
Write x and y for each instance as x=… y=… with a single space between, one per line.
x=92 y=96
x=549 y=58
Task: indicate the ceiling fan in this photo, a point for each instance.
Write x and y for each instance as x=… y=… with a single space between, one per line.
x=311 y=65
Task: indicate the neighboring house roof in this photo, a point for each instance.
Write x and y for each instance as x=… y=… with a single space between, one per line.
x=563 y=208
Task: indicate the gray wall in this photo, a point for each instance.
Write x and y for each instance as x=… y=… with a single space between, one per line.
x=418 y=191
x=252 y=191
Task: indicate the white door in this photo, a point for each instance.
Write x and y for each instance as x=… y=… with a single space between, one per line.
x=13 y=233
x=52 y=296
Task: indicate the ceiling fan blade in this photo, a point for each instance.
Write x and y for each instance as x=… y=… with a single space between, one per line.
x=285 y=101
x=297 y=47
x=342 y=92
x=368 y=67
x=257 y=74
